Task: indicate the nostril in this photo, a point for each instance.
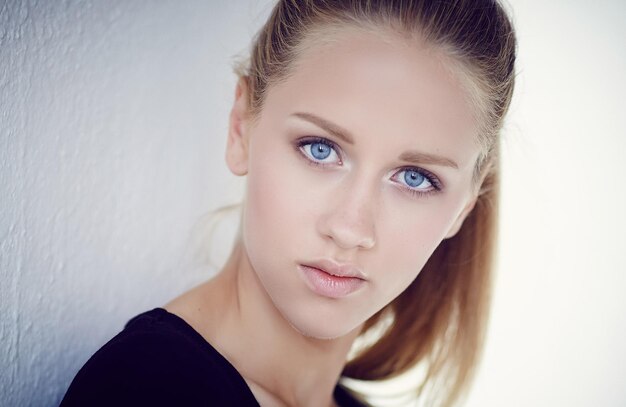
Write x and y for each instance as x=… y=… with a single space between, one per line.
x=349 y=219
x=349 y=235
x=368 y=243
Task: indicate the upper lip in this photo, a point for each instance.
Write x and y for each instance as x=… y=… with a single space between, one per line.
x=337 y=269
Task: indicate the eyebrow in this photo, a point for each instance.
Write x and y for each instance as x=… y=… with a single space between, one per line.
x=417 y=157
x=414 y=157
x=330 y=127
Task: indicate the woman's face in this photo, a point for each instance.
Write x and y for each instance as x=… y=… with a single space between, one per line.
x=364 y=156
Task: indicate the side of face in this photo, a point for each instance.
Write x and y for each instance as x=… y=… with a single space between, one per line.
x=311 y=194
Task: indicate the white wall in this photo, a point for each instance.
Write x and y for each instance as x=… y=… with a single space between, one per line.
x=113 y=123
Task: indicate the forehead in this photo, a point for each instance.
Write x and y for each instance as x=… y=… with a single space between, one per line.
x=382 y=88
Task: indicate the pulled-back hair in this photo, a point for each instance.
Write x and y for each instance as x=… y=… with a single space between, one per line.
x=439 y=321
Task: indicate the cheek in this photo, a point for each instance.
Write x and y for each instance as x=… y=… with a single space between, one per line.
x=408 y=237
x=267 y=212
x=419 y=229
x=283 y=192
x=276 y=213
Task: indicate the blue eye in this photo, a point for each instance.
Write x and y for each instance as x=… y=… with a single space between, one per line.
x=417 y=181
x=318 y=150
x=414 y=179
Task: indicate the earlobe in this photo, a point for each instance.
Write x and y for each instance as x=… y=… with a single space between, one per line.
x=456 y=226
x=237 y=143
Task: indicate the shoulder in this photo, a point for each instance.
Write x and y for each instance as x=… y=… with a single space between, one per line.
x=157 y=359
x=345 y=397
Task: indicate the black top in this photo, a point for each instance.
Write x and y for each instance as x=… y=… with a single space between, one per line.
x=160 y=360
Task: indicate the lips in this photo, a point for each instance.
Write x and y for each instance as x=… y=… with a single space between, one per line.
x=331 y=285
x=337 y=269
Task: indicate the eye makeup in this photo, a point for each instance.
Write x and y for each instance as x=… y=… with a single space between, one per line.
x=434 y=184
x=301 y=143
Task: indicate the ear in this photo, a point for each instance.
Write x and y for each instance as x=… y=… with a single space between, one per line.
x=237 y=144
x=456 y=226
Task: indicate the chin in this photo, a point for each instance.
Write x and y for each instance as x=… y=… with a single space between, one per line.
x=321 y=327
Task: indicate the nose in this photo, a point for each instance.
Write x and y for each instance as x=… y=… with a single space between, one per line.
x=349 y=219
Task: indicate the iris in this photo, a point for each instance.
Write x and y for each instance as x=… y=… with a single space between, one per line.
x=320 y=150
x=413 y=178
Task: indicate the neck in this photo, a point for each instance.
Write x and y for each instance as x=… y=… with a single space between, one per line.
x=266 y=349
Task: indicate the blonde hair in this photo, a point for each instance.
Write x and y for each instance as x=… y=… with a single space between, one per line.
x=440 y=319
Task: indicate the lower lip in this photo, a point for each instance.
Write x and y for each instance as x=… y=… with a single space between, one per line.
x=328 y=285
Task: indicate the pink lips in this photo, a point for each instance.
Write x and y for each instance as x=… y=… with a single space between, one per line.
x=334 y=281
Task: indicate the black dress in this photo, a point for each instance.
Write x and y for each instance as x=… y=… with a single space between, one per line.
x=160 y=360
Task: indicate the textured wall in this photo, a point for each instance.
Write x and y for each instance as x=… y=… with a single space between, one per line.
x=113 y=119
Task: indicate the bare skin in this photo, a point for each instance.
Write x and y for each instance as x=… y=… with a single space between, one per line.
x=233 y=325
x=356 y=205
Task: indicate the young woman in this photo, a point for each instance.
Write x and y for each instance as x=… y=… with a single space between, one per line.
x=368 y=132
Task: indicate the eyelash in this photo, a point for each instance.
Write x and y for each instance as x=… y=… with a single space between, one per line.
x=312 y=140
x=430 y=177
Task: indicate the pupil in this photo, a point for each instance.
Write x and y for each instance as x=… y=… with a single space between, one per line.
x=320 y=151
